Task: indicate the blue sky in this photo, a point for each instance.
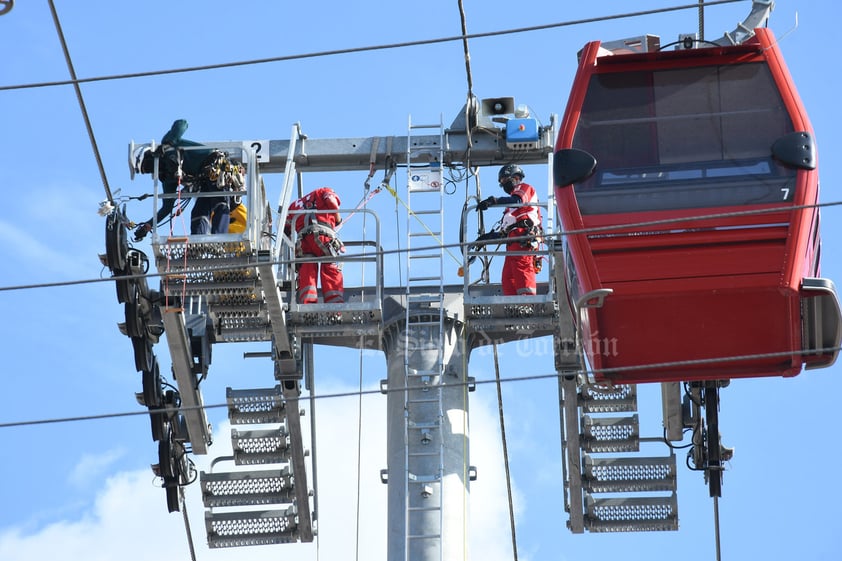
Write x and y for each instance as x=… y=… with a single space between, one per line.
x=84 y=489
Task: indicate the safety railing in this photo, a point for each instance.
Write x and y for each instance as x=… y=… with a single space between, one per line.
x=366 y=254
x=258 y=215
x=474 y=250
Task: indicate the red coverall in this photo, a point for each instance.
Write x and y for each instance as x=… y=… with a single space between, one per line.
x=316 y=237
x=519 y=270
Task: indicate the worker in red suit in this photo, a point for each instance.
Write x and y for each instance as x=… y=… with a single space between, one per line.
x=522 y=225
x=316 y=237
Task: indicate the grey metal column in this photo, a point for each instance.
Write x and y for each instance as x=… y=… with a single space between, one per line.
x=428 y=440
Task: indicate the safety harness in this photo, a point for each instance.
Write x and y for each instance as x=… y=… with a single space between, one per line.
x=333 y=247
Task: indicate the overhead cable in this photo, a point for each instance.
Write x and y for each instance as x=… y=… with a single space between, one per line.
x=81 y=101
x=474 y=382
x=384 y=252
x=352 y=50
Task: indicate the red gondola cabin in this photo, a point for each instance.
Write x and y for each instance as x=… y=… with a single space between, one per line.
x=693 y=248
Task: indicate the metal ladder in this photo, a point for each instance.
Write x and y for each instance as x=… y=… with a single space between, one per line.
x=276 y=446
x=642 y=489
x=424 y=334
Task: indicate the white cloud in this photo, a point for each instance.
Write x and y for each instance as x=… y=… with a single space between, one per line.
x=92 y=467
x=125 y=523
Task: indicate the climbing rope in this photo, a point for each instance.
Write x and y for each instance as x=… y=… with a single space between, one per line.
x=432 y=234
x=469 y=106
x=505 y=450
x=369 y=194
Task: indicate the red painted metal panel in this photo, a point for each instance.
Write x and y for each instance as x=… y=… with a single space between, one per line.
x=696 y=336
x=712 y=262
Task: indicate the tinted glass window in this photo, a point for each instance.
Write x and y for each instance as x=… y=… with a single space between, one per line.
x=685 y=138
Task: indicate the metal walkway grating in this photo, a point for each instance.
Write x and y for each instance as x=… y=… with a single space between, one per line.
x=628 y=475
x=253 y=447
x=636 y=514
x=603 y=399
x=247 y=488
x=610 y=434
x=235 y=529
x=256 y=406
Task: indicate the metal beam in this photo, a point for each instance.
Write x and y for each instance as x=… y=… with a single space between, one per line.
x=285 y=354
x=292 y=392
x=571 y=449
x=192 y=406
x=487 y=148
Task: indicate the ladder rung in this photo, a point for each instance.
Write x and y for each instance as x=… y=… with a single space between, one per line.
x=428 y=384
x=420 y=401
x=434 y=126
x=425 y=323
x=430 y=425
x=420 y=298
x=424 y=454
x=433 y=317
x=423 y=536
x=426 y=346
x=423 y=190
x=425 y=278
x=426 y=376
x=424 y=372
x=432 y=478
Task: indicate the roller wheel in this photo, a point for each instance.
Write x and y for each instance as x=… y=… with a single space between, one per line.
x=167 y=463
x=124 y=290
x=152 y=394
x=116 y=242
x=144 y=357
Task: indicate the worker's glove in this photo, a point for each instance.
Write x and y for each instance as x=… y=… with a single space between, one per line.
x=484 y=204
x=492 y=235
x=486 y=237
x=141 y=231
